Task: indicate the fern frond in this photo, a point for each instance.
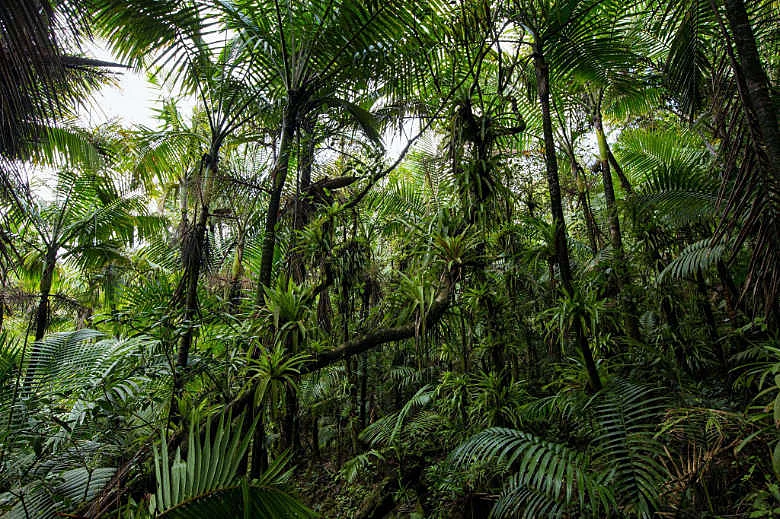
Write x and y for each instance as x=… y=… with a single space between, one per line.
x=696 y=257
x=627 y=416
x=387 y=430
x=550 y=477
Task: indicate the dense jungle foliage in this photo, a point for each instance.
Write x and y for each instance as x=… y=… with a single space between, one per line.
x=419 y=259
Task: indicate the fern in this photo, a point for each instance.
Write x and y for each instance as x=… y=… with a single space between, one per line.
x=619 y=470
x=388 y=429
x=698 y=256
x=360 y=465
x=561 y=473
x=53 y=496
x=627 y=416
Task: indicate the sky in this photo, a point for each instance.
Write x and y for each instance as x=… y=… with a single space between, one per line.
x=133 y=98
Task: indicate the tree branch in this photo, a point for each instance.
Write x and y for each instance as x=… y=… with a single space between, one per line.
x=372 y=340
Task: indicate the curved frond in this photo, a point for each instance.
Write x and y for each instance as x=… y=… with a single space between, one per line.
x=696 y=257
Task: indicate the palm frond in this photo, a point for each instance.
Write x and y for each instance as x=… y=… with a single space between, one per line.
x=388 y=429
x=625 y=443
x=207 y=483
x=550 y=477
x=697 y=257
x=56 y=495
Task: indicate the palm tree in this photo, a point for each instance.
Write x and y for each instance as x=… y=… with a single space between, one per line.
x=40 y=77
x=310 y=56
x=606 y=158
x=87 y=223
x=754 y=86
x=205 y=60
x=728 y=86
x=560 y=31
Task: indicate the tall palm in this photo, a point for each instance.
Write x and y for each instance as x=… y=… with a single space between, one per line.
x=87 y=223
x=716 y=67
x=602 y=87
x=311 y=56
x=560 y=32
x=754 y=87
x=615 y=92
x=43 y=77
x=203 y=58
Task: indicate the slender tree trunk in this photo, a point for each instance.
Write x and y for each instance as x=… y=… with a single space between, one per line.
x=624 y=182
x=192 y=273
x=561 y=245
x=303 y=200
x=278 y=179
x=42 y=314
x=193 y=257
x=582 y=195
x=627 y=306
x=236 y=270
x=307 y=160
x=756 y=97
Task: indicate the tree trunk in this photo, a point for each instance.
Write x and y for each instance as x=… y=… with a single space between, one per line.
x=193 y=257
x=278 y=178
x=582 y=195
x=561 y=245
x=616 y=238
x=191 y=274
x=315 y=438
x=307 y=160
x=754 y=90
x=756 y=97
x=42 y=315
x=363 y=362
x=303 y=199
x=290 y=437
x=624 y=183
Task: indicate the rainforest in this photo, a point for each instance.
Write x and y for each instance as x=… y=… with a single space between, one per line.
x=402 y=259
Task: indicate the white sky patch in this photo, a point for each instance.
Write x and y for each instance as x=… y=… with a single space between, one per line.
x=396 y=139
x=131 y=101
